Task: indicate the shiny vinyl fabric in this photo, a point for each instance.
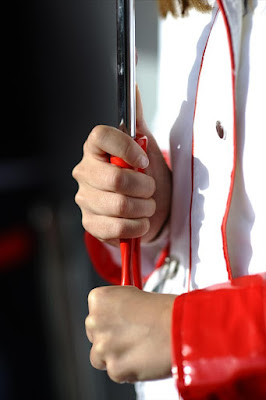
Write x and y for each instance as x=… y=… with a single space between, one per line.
x=219 y=341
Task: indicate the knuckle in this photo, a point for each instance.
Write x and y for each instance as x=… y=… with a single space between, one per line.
x=97 y=134
x=86 y=223
x=117 y=378
x=120 y=229
x=96 y=357
x=93 y=359
x=93 y=298
x=99 y=349
x=122 y=205
x=90 y=323
x=117 y=179
x=115 y=372
x=78 y=198
x=94 y=133
x=76 y=172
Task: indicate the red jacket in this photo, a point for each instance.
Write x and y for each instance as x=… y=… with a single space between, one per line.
x=219 y=341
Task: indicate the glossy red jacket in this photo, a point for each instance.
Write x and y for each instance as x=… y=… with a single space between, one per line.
x=219 y=341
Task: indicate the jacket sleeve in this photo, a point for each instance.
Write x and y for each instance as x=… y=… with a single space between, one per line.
x=219 y=341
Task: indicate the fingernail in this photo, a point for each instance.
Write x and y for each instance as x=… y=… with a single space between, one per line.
x=143 y=161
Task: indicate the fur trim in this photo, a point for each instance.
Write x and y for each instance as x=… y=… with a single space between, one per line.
x=181 y=7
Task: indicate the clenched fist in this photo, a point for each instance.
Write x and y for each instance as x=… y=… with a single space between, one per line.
x=122 y=203
x=130 y=332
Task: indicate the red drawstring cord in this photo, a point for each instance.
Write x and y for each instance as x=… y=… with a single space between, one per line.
x=130 y=248
x=126 y=248
x=131 y=262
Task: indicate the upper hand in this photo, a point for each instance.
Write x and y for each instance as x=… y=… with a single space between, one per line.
x=118 y=203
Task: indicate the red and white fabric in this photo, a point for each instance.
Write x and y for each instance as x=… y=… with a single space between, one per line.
x=217 y=230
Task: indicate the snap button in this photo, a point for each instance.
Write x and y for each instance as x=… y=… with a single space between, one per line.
x=220 y=130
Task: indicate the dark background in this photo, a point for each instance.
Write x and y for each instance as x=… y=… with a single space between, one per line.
x=58 y=80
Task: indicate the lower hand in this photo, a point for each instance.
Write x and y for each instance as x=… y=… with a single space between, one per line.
x=131 y=333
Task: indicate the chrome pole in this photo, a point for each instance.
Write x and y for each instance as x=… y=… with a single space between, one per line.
x=126 y=66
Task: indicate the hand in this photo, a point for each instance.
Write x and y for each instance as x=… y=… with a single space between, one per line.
x=120 y=203
x=131 y=333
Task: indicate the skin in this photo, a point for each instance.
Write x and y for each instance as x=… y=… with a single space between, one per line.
x=121 y=203
x=130 y=332
x=125 y=325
